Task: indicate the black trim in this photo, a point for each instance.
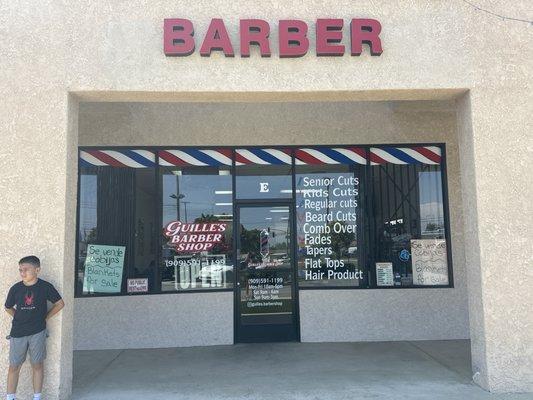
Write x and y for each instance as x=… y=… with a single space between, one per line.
x=156 y=287
x=292 y=146
x=369 y=222
x=89 y=296
x=374 y=288
x=236 y=293
x=77 y=245
x=237 y=332
x=296 y=281
x=446 y=206
x=368 y=234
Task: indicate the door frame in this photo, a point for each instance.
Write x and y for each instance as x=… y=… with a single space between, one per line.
x=237 y=204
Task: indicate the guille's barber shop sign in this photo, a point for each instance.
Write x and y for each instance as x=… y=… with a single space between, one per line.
x=294 y=38
x=194 y=238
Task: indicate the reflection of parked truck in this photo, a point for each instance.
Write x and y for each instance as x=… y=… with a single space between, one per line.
x=198 y=271
x=214 y=275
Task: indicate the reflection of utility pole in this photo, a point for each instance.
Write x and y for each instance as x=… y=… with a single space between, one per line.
x=178 y=198
x=185 y=204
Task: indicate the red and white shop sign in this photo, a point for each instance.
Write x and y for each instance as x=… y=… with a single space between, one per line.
x=193 y=238
x=293 y=38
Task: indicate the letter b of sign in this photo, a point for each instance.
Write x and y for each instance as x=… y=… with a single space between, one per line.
x=263 y=187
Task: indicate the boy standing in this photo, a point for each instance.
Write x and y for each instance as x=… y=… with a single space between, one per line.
x=27 y=303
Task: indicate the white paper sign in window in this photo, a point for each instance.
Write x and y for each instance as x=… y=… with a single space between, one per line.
x=430 y=262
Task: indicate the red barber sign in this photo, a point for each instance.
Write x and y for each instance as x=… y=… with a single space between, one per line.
x=293 y=37
x=192 y=238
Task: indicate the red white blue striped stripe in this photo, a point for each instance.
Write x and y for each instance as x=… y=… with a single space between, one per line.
x=117 y=158
x=134 y=158
x=263 y=157
x=405 y=155
x=330 y=155
x=195 y=157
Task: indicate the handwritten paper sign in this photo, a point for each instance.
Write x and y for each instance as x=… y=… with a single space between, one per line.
x=103 y=269
x=430 y=262
x=384 y=275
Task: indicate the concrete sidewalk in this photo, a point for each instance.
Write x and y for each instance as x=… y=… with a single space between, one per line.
x=437 y=370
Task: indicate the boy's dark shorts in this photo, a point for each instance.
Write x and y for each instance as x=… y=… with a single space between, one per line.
x=36 y=344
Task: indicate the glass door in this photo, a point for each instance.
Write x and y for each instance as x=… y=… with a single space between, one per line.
x=265 y=293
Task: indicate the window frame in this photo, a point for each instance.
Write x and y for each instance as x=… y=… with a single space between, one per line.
x=361 y=228
x=372 y=221
x=159 y=221
x=366 y=200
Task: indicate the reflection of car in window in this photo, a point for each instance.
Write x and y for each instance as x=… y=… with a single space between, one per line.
x=400 y=241
x=214 y=271
x=437 y=232
x=352 y=250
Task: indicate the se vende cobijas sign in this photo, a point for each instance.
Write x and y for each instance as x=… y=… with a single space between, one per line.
x=293 y=37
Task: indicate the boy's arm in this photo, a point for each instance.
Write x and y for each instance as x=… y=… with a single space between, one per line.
x=9 y=305
x=58 y=305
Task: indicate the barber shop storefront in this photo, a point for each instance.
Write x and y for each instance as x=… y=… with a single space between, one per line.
x=229 y=174
x=263 y=224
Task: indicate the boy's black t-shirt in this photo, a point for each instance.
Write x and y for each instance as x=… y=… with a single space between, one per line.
x=31 y=306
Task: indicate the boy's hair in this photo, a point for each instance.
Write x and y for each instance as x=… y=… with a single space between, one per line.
x=33 y=260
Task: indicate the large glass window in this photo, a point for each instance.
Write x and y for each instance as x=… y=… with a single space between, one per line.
x=197 y=220
x=410 y=247
x=117 y=232
x=161 y=220
x=329 y=216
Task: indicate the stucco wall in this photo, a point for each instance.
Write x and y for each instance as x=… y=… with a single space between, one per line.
x=101 y=50
x=421 y=314
x=239 y=123
x=169 y=320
